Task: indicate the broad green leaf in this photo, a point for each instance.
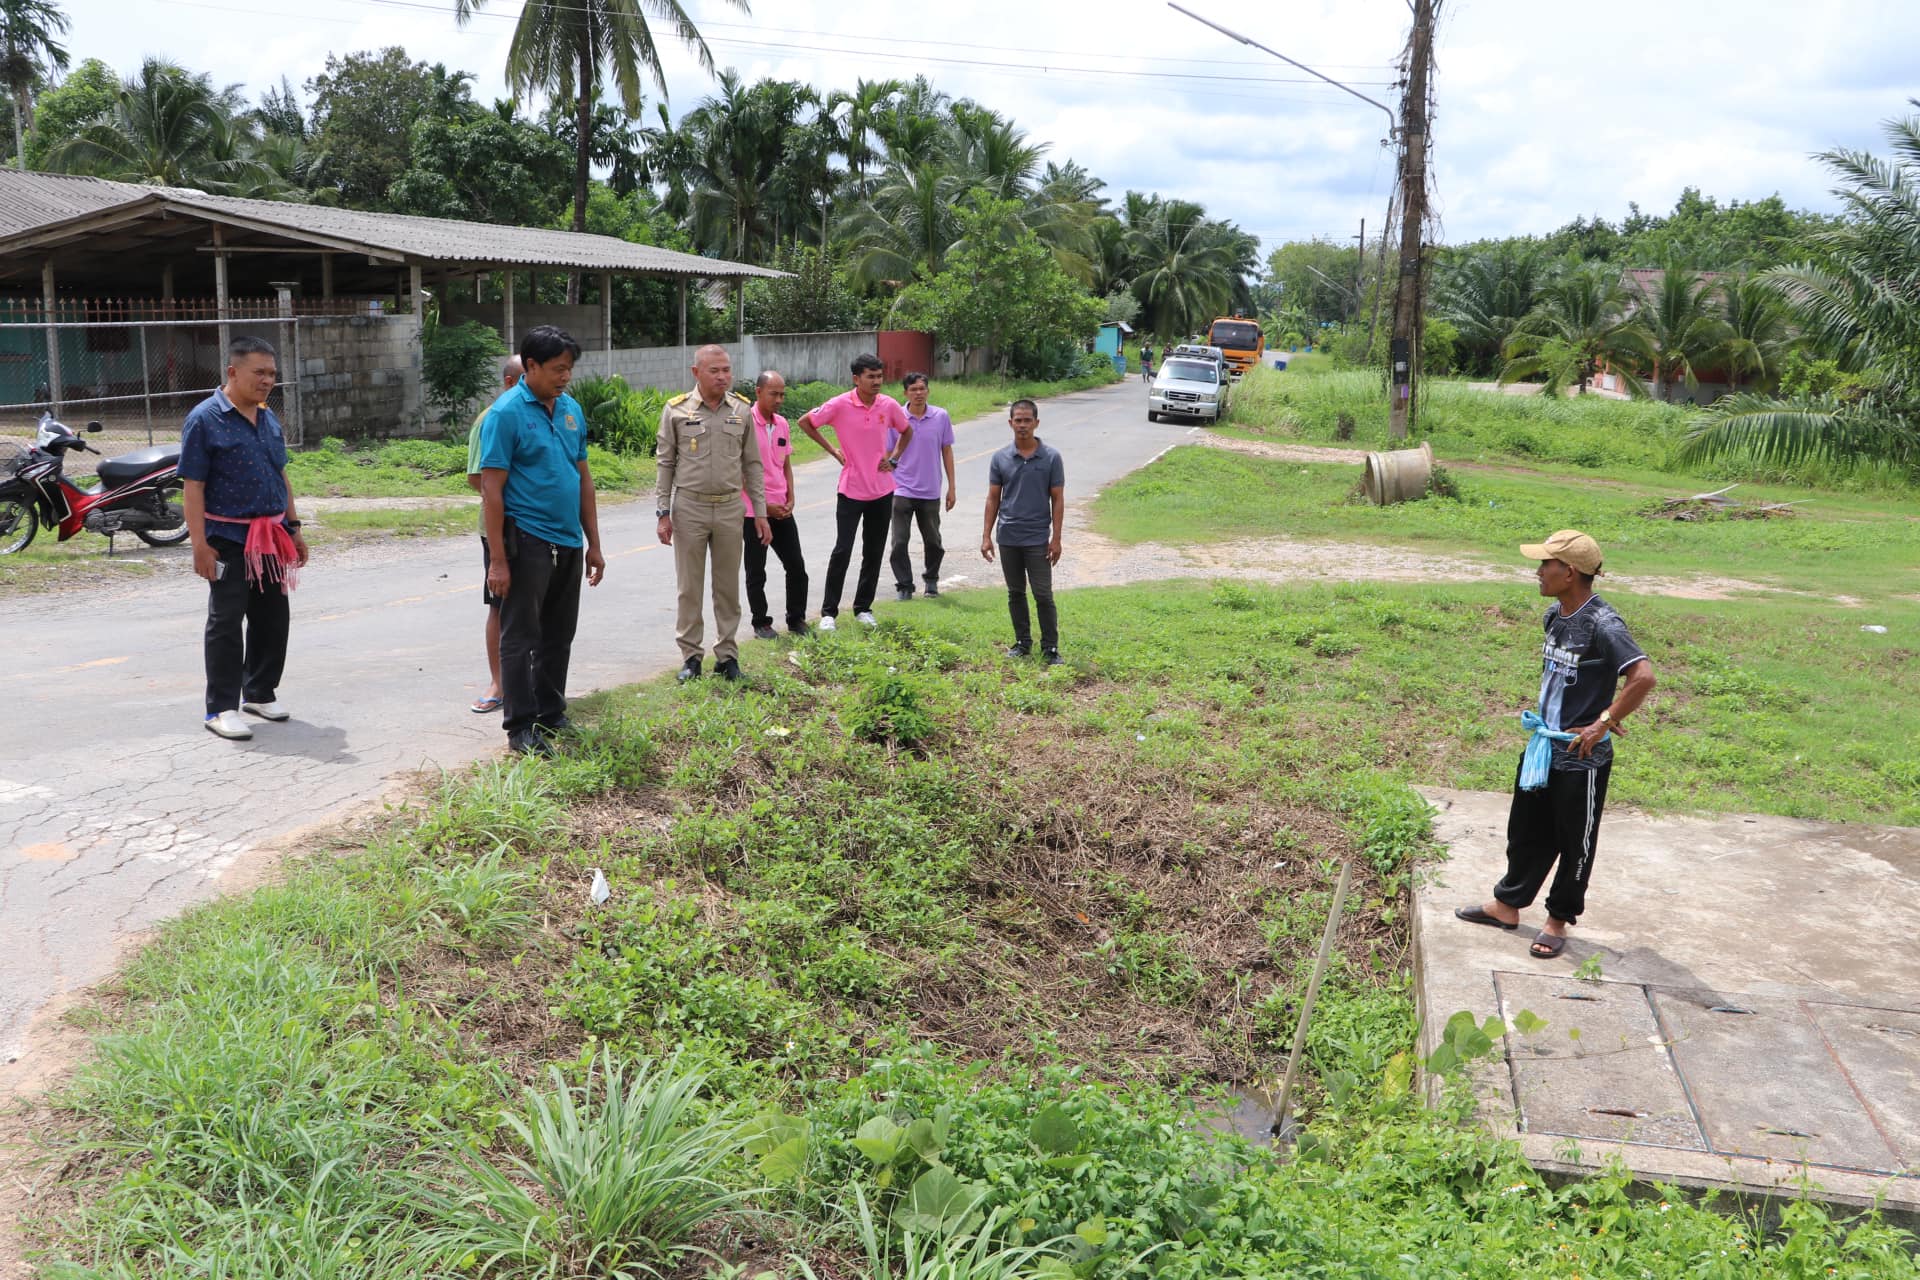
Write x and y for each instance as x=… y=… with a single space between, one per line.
x=1054 y=1132
x=1526 y=1022
x=1399 y=1076
x=879 y=1140
x=1093 y=1231
x=938 y=1202
x=920 y=1137
x=786 y=1163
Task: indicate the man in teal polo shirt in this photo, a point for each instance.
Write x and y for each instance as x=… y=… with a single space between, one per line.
x=542 y=528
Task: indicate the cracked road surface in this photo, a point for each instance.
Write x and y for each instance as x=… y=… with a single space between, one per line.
x=118 y=811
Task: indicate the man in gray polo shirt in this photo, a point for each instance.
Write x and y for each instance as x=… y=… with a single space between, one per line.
x=1026 y=507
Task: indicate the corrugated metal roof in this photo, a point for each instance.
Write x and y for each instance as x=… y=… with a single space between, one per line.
x=30 y=202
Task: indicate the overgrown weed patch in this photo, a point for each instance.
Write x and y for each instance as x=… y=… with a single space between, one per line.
x=1022 y=946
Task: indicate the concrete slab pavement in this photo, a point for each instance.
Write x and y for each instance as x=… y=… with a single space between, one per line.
x=1756 y=1020
x=118 y=811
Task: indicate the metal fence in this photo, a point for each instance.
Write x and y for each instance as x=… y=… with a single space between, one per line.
x=138 y=366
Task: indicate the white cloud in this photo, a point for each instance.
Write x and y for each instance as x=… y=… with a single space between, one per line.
x=1545 y=111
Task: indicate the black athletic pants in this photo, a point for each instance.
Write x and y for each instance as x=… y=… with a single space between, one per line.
x=246 y=639
x=537 y=621
x=1559 y=822
x=786 y=545
x=924 y=512
x=1023 y=567
x=869 y=520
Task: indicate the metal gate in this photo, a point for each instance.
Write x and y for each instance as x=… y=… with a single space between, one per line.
x=136 y=367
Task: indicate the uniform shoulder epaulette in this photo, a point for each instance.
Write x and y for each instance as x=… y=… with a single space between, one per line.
x=735 y=395
x=681 y=399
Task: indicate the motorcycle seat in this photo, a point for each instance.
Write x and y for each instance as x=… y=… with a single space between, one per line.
x=131 y=466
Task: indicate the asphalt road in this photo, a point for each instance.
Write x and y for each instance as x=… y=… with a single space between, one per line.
x=118 y=810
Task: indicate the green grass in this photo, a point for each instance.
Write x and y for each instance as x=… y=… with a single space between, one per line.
x=1591 y=432
x=1865 y=546
x=964 y=937
x=424 y=468
x=49 y=565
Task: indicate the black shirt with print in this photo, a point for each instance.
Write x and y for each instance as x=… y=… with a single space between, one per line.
x=1582 y=658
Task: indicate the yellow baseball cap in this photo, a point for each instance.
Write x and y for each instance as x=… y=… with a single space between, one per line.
x=1569 y=546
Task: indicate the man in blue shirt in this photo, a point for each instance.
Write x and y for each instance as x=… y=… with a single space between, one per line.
x=246 y=538
x=543 y=534
x=1026 y=509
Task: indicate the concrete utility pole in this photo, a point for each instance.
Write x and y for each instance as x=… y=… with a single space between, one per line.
x=1403 y=350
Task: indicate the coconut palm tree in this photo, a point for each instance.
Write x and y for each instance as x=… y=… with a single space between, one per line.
x=563 y=47
x=858 y=115
x=908 y=225
x=1190 y=267
x=1854 y=302
x=29 y=51
x=171 y=128
x=1486 y=295
x=1682 y=326
x=1580 y=323
x=1758 y=333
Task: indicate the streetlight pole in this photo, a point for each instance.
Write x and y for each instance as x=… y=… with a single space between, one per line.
x=1403 y=349
x=1393 y=127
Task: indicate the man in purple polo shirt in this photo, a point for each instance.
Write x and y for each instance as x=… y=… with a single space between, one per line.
x=860 y=419
x=916 y=487
x=775 y=438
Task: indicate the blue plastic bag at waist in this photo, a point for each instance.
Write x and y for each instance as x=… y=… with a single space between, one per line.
x=1538 y=759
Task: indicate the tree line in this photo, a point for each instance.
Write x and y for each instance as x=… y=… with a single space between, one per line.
x=1808 y=320
x=884 y=199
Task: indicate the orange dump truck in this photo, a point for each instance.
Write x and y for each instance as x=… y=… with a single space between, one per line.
x=1239 y=340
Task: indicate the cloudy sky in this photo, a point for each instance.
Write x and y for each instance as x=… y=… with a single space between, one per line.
x=1546 y=110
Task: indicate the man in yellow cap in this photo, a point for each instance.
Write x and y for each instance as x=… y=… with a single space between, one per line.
x=707 y=458
x=1562 y=786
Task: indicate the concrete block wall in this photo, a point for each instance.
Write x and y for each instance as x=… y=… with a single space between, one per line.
x=585 y=321
x=360 y=377
x=800 y=357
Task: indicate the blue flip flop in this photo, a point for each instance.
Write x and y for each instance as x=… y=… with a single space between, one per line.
x=483 y=705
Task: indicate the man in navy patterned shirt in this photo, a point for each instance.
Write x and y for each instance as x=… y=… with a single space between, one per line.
x=1586 y=652
x=246 y=537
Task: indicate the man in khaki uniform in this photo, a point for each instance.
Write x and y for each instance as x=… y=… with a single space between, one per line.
x=707 y=457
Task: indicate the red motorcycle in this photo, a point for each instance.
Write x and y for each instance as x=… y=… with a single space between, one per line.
x=138 y=492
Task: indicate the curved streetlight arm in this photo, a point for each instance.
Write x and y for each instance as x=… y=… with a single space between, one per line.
x=1393 y=126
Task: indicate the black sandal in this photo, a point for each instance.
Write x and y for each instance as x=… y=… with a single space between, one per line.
x=1547 y=945
x=1478 y=915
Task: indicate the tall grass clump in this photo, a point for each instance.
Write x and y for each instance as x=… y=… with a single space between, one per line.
x=611 y=1179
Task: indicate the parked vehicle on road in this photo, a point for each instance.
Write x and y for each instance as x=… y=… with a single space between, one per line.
x=1189 y=387
x=1201 y=351
x=137 y=493
x=1240 y=340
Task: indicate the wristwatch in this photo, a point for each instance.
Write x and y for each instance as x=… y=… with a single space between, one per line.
x=1606 y=717
x=293 y=526
x=662 y=514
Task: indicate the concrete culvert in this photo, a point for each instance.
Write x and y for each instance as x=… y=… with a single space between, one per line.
x=1400 y=476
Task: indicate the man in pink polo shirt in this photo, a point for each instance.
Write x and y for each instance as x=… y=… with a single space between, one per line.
x=775 y=438
x=860 y=419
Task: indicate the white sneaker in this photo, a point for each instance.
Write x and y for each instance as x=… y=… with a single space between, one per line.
x=228 y=724
x=266 y=710
x=826 y=622
x=867 y=619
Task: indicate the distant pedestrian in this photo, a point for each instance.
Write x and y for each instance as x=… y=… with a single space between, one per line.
x=708 y=460
x=1562 y=784
x=1026 y=510
x=860 y=419
x=1146 y=363
x=543 y=534
x=916 y=487
x=509 y=378
x=775 y=439
x=246 y=538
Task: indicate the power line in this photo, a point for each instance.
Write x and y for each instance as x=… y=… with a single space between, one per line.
x=786 y=46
